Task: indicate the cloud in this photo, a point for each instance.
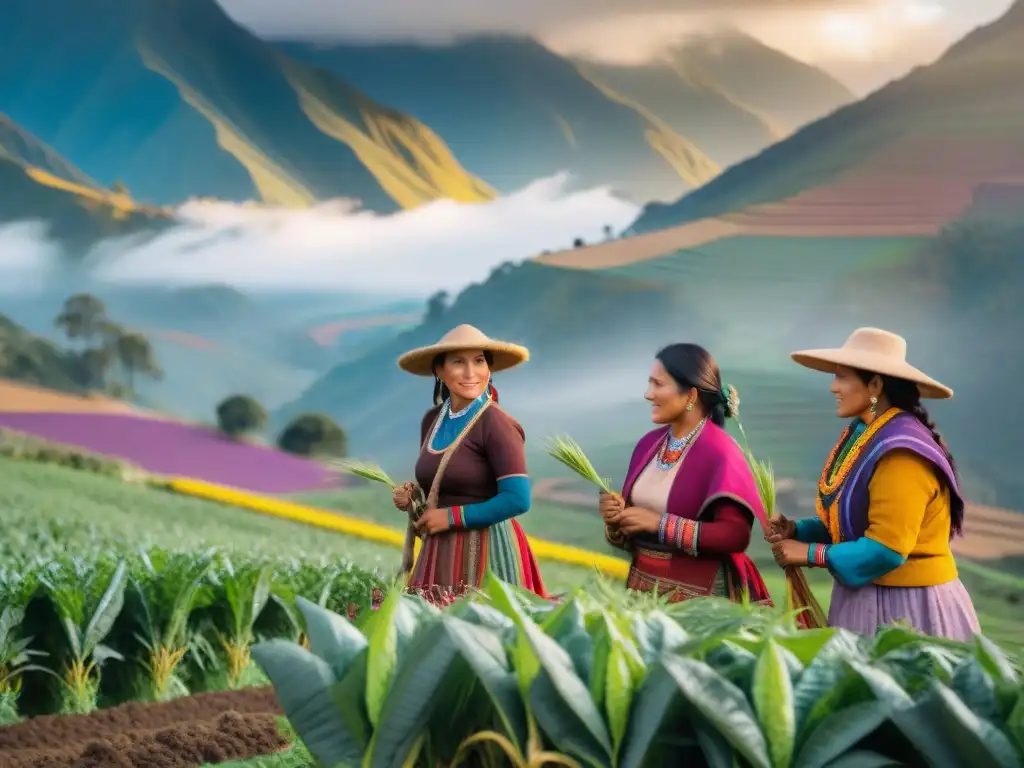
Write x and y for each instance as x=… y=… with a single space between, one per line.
x=441 y=19
x=443 y=245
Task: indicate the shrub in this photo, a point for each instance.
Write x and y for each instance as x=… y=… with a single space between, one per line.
x=239 y=415
x=313 y=434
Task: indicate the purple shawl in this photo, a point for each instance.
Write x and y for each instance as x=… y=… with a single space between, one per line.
x=714 y=468
x=903 y=431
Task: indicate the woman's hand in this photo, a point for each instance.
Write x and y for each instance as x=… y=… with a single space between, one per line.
x=634 y=520
x=780 y=527
x=432 y=521
x=402 y=496
x=610 y=505
x=789 y=552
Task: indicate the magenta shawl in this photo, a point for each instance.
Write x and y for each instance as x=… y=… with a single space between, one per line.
x=714 y=469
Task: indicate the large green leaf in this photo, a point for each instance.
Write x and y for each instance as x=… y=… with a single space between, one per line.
x=864 y=759
x=839 y=732
x=525 y=661
x=994 y=661
x=774 y=703
x=658 y=711
x=947 y=734
x=331 y=637
x=562 y=704
x=656 y=634
x=567 y=626
x=975 y=688
x=723 y=705
x=303 y=684
x=623 y=675
x=807 y=644
x=486 y=656
x=1015 y=722
x=827 y=683
x=416 y=689
x=394 y=626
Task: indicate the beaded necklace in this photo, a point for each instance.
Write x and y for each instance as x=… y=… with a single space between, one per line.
x=673 y=448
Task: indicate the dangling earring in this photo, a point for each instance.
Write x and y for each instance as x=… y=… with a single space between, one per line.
x=689 y=406
x=874 y=403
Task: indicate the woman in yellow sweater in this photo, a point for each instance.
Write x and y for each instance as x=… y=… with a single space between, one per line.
x=888 y=498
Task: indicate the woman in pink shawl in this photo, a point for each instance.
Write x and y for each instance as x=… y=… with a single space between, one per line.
x=689 y=500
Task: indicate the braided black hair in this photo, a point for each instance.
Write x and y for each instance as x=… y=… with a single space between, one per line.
x=905 y=395
x=690 y=365
x=441 y=392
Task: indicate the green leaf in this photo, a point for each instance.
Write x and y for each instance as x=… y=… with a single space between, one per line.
x=774 y=703
x=331 y=637
x=394 y=626
x=807 y=644
x=106 y=612
x=993 y=660
x=525 y=661
x=624 y=673
x=658 y=709
x=303 y=684
x=562 y=705
x=656 y=634
x=975 y=688
x=840 y=731
x=723 y=705
x=863 y=758
x=485 y=654
x=567 y=626
x=1015 y=723
x=414 y=692
x=946 y=733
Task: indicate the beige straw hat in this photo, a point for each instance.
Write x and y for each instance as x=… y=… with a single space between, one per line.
x=421 y=361
x=877 y=351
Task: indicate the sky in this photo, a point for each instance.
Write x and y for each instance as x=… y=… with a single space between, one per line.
x=864 y=43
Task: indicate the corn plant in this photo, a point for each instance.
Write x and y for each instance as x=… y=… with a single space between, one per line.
x=87 y=597
x=166 y=588
x=240 y=593
x=492 y=681
x=16 y=658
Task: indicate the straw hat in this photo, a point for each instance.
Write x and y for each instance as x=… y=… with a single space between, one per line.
x=421 y=361
x=877 y=351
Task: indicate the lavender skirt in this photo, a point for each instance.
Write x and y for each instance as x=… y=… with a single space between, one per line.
x=945 y=610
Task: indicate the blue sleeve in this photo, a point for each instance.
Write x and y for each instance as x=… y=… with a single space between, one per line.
x=512 y=499
x=858 y=563
x=811 y=530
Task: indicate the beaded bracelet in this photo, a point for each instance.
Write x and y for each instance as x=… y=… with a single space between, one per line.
x=817 y=555
x=680 y=532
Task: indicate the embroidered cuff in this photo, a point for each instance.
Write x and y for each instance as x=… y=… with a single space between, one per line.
x=817 y=555
x=680 y=532
x=455 y=517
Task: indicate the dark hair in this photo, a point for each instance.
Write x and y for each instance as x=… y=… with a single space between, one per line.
x=690 y=365
x=905 y=395
x=441 y=392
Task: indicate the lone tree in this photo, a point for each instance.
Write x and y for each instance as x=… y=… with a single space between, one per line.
x=313 y=434
x=136 y=356
x=240 y=415
x=82 y=317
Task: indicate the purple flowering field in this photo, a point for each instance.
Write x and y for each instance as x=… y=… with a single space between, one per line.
x=173 y=448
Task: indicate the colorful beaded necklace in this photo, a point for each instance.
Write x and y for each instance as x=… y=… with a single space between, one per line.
x=833 y=477
x=673 y=448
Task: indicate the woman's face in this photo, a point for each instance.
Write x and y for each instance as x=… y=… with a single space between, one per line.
x=465 y=373
x=667 y=403
x=853 y=396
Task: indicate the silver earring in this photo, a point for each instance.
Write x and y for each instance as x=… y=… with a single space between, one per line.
x=689 y=406
x=874 y=403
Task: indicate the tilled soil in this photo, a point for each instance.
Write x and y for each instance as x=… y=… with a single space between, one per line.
x=183 y=733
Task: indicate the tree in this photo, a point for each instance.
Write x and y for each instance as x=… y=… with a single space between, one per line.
x=578 y=242
x=136 y=356
x=609 y=233
x=82 y=317
x=239 y=415
x=437 y=305
x=313 y=434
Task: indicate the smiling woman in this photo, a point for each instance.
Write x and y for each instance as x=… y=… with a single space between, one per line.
x=473 y=461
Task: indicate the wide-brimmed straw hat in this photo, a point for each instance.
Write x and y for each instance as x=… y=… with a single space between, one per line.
x=506 y=355
x=877 y=351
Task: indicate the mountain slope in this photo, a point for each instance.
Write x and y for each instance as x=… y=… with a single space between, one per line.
x=36 y=182
x=911 y=153
x=512 y=111
x=727 y=92
x=177 y=101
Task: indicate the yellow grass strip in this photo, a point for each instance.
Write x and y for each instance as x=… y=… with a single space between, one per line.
x=364 y=529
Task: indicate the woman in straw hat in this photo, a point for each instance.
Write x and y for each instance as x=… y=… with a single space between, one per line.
x=888 y=499
x=689 y=499
x=471 y=479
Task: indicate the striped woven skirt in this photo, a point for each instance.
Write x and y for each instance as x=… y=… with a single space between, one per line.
x=449 y=563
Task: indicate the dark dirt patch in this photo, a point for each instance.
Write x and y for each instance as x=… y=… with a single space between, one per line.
x=186 y=732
